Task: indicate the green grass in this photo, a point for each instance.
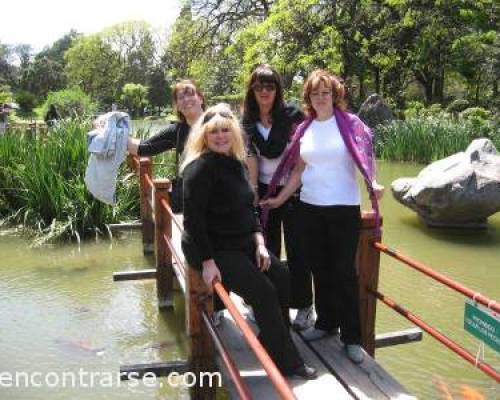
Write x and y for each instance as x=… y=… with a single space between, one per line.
x=426 y=139
x=42 y=185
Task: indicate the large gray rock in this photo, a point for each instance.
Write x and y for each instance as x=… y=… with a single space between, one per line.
x=375 y=112
x=462 y=190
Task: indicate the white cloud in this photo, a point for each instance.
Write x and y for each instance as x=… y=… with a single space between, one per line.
x=40 y=23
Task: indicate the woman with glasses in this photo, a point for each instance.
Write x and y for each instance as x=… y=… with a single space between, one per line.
x=327 y=149
x=189 y=104
x=269 y=123
x=222 y=237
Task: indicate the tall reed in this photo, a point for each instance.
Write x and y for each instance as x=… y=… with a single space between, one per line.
x=42 y=185
x=425 y=139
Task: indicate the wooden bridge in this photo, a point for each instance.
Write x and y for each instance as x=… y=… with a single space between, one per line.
x=233 y=348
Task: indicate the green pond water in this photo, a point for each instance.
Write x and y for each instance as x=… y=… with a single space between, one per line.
x=62 y=313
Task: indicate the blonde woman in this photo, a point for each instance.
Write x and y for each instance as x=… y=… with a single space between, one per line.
x=222 y=236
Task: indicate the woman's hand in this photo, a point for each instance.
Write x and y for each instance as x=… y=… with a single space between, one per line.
x=272 y=202
x=378 y=190
x=210 y=273
x=133 y=145
x=263 y=258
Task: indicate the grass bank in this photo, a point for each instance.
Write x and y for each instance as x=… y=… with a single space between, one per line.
x=42 y=186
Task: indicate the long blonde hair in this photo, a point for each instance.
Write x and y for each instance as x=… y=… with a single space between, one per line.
x=219 y=116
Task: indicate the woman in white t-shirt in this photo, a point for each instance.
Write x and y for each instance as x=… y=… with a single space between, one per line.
x=330 y=209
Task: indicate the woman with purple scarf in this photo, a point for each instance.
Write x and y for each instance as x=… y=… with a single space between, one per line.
x=326 y=150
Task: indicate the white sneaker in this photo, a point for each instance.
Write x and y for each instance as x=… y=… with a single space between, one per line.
x=305 y=318
x=355 y=353
x=217 y=317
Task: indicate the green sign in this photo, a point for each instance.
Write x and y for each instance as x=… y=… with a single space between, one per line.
x=483 y=323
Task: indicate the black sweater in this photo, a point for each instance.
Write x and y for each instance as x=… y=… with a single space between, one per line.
x=218 y=207
x=165 y=140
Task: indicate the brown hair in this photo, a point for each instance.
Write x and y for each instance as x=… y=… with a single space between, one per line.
x=263 y=73
x=330 y=81
x=186 y=85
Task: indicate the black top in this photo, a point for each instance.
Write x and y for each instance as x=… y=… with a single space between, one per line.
x=165 y=140
x=218 y=207
x=281 y=131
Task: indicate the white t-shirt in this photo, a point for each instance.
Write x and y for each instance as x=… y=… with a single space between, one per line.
x=267 y=166
x=330 y=174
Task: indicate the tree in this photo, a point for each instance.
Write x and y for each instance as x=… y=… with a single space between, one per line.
x=70 y=103
x=94 y=66
x=133 y=42
x=134 y=97
x=228 y=16
x=159 y=92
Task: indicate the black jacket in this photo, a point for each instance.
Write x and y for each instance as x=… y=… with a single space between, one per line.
x=165 y=140
x=279 y=136
x=218 y=207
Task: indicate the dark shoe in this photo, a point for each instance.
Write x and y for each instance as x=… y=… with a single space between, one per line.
x=305 y=318
x=303 y=371
x=355 y=353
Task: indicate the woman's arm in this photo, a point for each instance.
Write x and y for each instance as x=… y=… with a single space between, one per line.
x=253 y=175
x=290 y=188
x=164 y=140
x=261 y=254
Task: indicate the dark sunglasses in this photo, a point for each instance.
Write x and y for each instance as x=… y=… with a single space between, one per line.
x=209 y=115
x=268 y=87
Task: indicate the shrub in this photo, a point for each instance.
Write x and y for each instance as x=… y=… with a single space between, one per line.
x=70 y=103
x=26 y=100
x=475 y=113
x=457 y=106
x=413 y=109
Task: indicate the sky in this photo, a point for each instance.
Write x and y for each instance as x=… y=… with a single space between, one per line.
x=40 y=23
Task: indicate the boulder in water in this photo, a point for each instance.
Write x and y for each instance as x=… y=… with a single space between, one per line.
x=462 y=190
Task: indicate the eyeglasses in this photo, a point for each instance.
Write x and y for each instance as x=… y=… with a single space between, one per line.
x=268 y=87
x=185 y=94
x=322 y=93
x=209 y=115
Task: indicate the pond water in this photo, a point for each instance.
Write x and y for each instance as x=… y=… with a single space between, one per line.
x=62 y=313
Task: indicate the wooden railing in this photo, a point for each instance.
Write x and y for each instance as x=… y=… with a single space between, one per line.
x=157 y=224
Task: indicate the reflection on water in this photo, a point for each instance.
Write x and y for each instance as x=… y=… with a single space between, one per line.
x=61 y=311
x=470 y=257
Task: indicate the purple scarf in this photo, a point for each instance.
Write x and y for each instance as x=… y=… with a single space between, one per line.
x=358 y=140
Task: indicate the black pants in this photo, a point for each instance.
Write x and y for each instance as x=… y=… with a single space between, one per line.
x=330 y=237
x=267 y=292
x=300 y=273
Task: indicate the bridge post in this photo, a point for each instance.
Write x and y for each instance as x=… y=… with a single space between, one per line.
x=367 y=264
x=163 y=255
x=202 y=348
x=146 y=168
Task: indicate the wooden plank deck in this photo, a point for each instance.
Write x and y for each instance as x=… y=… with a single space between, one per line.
x=338 y=379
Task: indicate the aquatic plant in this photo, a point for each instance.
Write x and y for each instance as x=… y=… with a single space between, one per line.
x=42 y=185
x=425 y=139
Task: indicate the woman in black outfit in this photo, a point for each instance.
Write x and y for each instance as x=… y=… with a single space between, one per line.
x=222 y=235
x=269 y=123
x=189 y=104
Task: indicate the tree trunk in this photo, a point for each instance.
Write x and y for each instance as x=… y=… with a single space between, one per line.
x=439 y=87
x=377 y=81
x=362 y=89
